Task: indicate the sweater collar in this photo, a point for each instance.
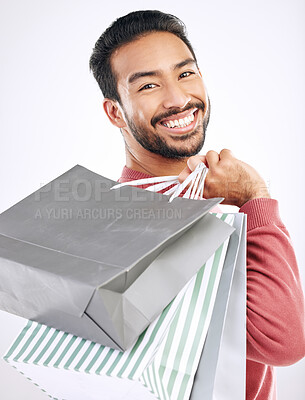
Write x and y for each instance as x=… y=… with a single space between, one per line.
x=129 y=174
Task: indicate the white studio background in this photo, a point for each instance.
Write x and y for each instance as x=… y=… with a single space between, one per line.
x=252 y=56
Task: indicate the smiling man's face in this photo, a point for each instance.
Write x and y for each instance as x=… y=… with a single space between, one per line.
x=163 y=98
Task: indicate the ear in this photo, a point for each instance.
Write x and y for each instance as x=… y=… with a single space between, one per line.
x=114 y=113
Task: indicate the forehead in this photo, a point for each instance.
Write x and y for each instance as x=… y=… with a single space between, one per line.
x=155 y=51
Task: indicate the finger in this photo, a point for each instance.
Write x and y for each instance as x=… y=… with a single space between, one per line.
x=184 y=174
x=225 y=153
x=212 y=158
x=193 y=161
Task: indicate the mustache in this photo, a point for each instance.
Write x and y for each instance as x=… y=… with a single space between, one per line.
x=175 y=111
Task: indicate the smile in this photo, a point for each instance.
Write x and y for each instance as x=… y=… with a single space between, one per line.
x=181 y=122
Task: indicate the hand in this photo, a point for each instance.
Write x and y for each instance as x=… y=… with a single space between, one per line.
x=228 y=177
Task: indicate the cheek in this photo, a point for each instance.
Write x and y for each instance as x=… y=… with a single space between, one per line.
x=143 y=112
x=200 y=91
x=197 y=89
x=142 y=117
x=137 y=110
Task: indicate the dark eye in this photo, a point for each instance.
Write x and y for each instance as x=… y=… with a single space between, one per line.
x=185 y=74
x=148 y=86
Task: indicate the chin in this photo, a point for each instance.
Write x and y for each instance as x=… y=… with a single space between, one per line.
x=189 y=145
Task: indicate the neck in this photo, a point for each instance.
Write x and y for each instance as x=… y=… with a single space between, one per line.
x=144 y=161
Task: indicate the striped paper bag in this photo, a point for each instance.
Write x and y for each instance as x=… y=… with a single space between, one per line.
x=161 y=364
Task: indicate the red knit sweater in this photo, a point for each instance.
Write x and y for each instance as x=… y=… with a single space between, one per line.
x=275 y=302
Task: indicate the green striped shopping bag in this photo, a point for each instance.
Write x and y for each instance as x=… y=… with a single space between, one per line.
x=160 y=365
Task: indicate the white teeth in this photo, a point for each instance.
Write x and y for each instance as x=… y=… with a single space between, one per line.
x=181 y=123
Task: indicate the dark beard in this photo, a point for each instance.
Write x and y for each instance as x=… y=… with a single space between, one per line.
x=157 y=145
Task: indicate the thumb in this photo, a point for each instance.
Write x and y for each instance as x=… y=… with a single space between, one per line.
x=193 y=161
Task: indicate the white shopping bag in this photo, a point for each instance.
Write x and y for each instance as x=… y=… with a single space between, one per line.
x=221 y=374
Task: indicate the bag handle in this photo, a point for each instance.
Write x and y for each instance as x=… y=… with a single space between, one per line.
x=195 y=181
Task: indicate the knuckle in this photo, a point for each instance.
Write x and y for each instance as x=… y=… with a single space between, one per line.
x=211 y=153
x=226 y=152
x=226 y=163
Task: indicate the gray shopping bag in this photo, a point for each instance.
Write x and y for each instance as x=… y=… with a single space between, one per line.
x=82 y=258
x=161 y=364
x=222 y=368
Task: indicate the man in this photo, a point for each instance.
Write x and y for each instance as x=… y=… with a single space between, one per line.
x=154 y=92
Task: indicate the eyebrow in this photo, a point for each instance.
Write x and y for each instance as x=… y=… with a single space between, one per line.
x=137 y=75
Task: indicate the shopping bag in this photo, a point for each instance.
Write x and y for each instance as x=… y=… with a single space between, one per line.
x=161 y=364
x=225 y=348
x=82 y=258
x=221 y=373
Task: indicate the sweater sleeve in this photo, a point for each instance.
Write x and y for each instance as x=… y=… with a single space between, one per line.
x=275 y=302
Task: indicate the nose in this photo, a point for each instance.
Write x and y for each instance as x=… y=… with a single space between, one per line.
x=175 y=96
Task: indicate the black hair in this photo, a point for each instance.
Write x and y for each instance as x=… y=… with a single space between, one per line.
x=125 y=30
